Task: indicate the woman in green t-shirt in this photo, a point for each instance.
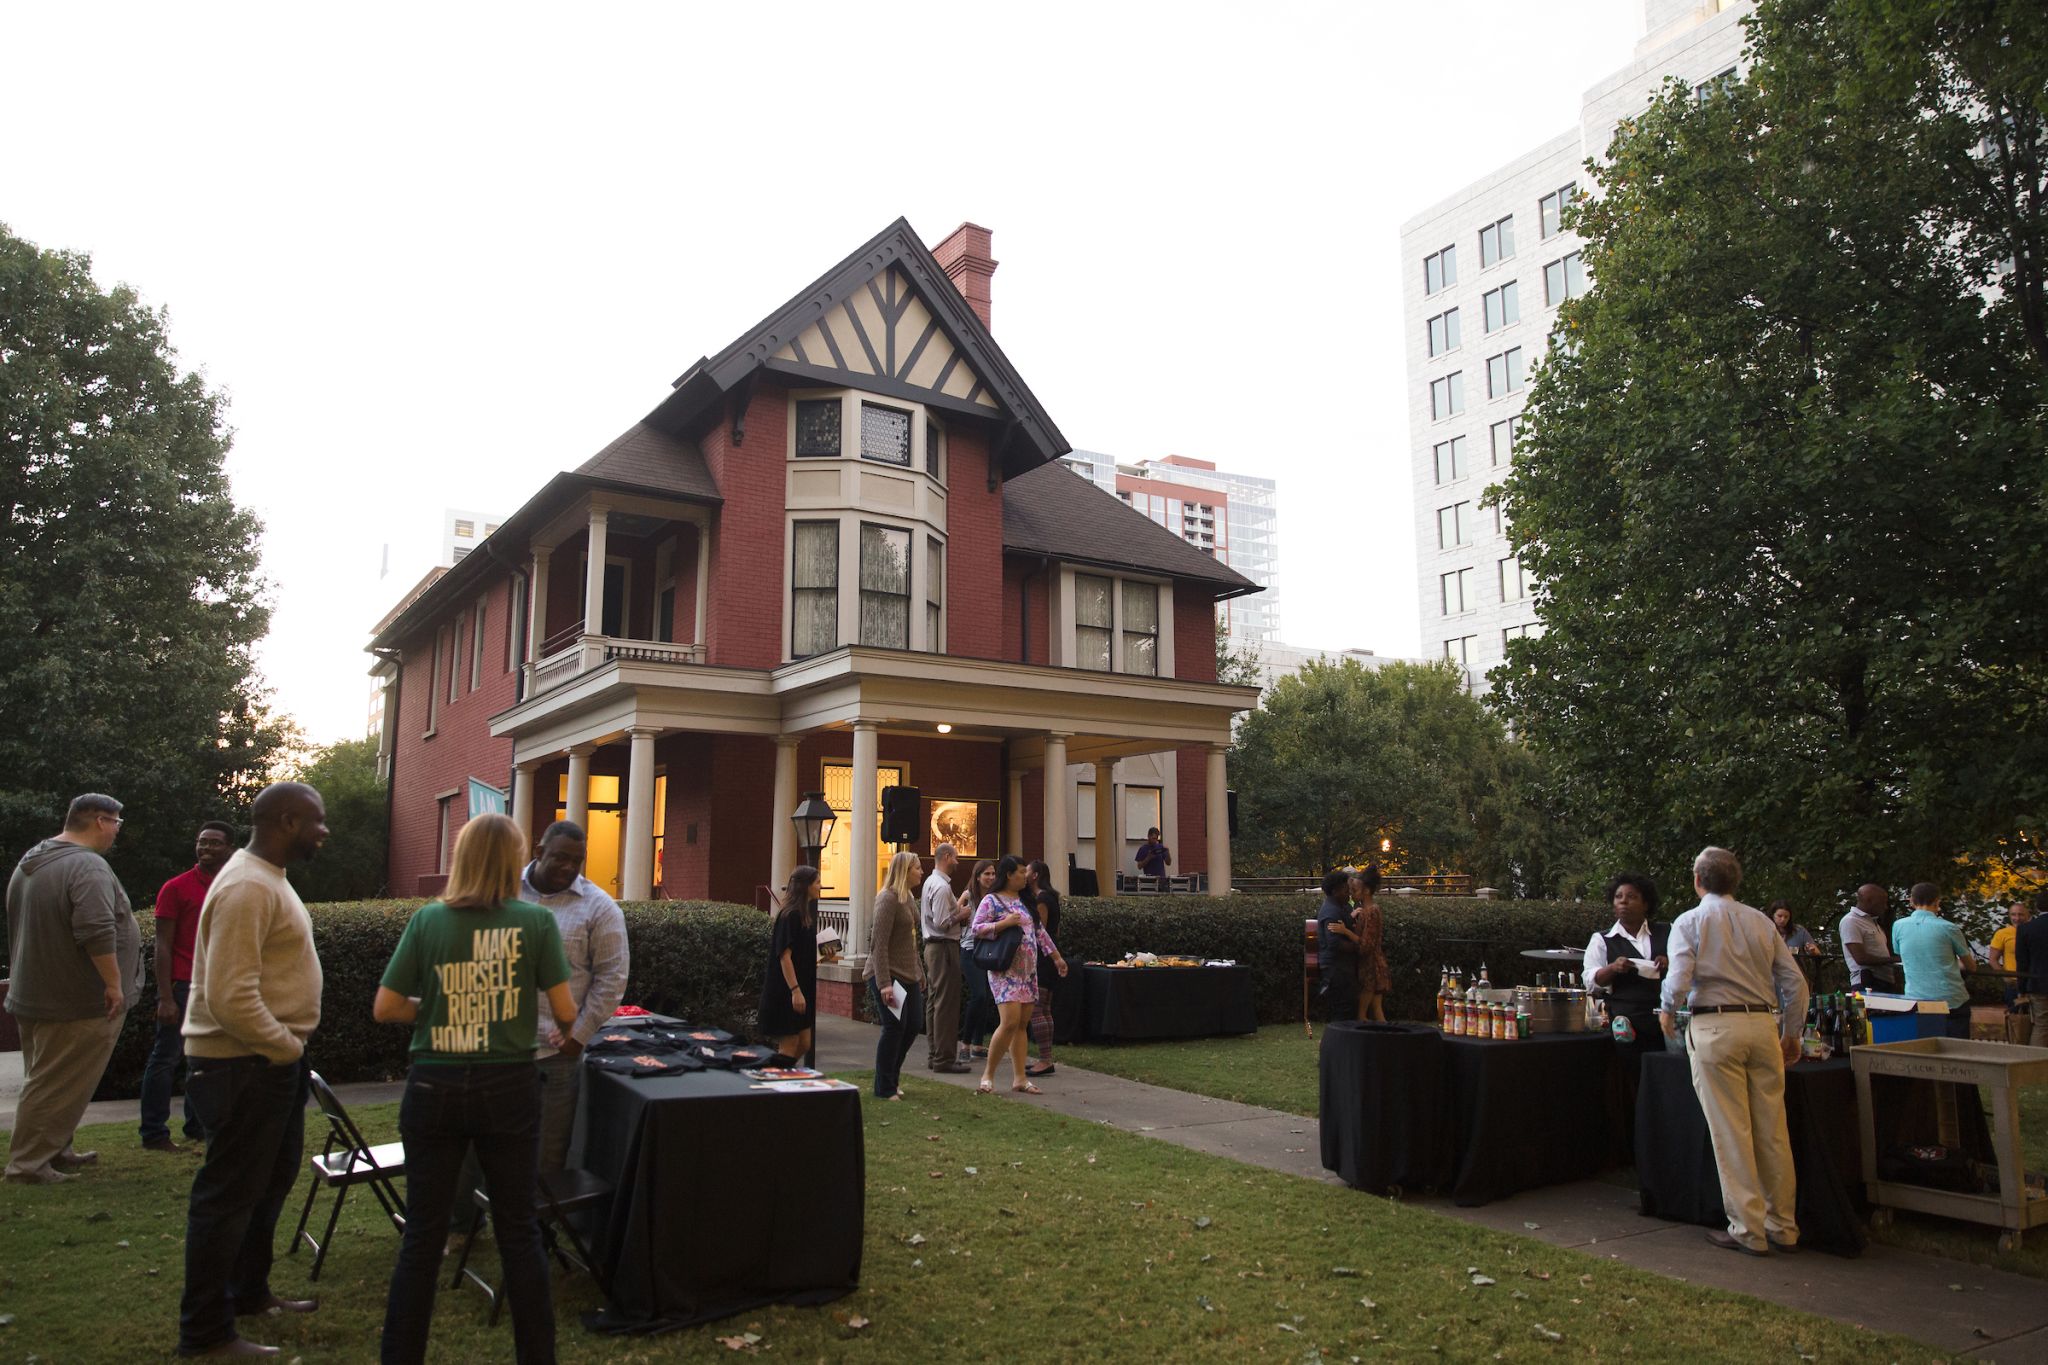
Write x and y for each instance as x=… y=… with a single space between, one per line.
x=468 y=974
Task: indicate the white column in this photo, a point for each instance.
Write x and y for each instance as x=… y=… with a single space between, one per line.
x=537 y=605
x=593 y=575
x=579 y=786
x=1013 y=818
x=783 y=852
x=865 y=843
x=703 y=593
x=639 y=879
x=1059 y=831
x=1109 y=848
x=522 y=798
x=1219 y=823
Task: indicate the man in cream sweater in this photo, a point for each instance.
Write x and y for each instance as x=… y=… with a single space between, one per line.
x=255 y=999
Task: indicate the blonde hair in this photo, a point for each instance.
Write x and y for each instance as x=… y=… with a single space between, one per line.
x=484 y=872
x=903 y=876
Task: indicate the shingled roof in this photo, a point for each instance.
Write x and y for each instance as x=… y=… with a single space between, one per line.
x=645 y=457
x=1054 y=511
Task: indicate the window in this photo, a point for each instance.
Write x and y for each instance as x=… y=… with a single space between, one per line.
x=1503 y=435
x=476 y=647
x=1713 y=85
x=1443 y=332
x=515 y=621
x=455 y=660
x=1141 y=628
x=1092 y=622
x=933 y=435
x=1459 y=649
x=817 y=427
x=1141 y=812
x=461 y=553
x=1550 y=210
x=1456 y=591
x=934 y=595
x=434 y=684
x=814 y=590
x=1454 y=525
x=1447 y=396
x=1563 y=279
x=1512 y=633
x=466 y=530
x=1502 y=306
x=884 y=586
x=1450 y=459
x=1514 y=586
x=1440 y=270
x=445 y=820
x=1496 y=242
x=1504 y=372
x=885 y=434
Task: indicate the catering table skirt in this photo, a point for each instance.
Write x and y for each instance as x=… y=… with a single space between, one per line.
x=1168 y=1002
x=726 y=1197
x=1403 y=1105
x=1069 y=1003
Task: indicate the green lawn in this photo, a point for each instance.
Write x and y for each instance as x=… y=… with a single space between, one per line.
x=1067 y=1240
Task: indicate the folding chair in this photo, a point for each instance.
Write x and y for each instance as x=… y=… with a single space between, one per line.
x=355 y=1163
x=561 y=1194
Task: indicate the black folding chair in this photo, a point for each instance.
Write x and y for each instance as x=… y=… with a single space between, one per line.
x=561 y=1193
x=345 y=1161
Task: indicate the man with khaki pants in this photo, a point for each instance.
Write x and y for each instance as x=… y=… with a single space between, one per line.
x=1731 y=967
x=76 y=958
x=939 y=918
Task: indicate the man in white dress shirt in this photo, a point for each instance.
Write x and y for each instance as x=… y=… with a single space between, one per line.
x=1730 y=965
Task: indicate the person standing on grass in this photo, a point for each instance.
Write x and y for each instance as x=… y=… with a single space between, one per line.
x=1337 y=949
x=940 y=920
x=255 y=1000
x=789 y=983
x=2030 y=959
x=895 y=985
x=468 y=974
x=1374 y=980
x=177 y=925
x=76 y=955
x=1934 y=952
x=1044 y=906
x=1015 y=988
x=978 y=1010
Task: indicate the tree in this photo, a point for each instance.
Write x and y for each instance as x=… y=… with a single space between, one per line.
x=1781 y=488
x=129 y=596
x=351 y=865
x=1236 y=666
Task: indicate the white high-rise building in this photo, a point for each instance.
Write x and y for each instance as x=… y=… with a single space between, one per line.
x=1484 y=272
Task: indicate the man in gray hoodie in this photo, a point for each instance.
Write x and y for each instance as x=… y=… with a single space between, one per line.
x=76 y=958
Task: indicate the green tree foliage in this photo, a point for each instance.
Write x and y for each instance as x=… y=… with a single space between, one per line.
x=351 y=865
x=129 y=596
x=1239 y=667
x=1782 y=491
x=1339 y=757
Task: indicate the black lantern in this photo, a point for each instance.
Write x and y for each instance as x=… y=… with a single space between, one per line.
x=813 y=820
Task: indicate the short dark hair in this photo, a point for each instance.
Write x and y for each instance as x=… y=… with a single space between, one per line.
x=88 y=808
x=1924 y=893
x=1779 y=904
x=227 y=831
x=564 y=829
x=1334 y=881
x=1646 y=888
x=1368 y=877
x=1152 y=833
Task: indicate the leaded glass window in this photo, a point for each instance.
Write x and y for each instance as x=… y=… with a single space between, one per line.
x=814 y=590
x=817 y=426
x=884 y=586
x=1092 y=622
x=1141 y=628
x=934 y=595
x=884 y=434
x=932 y=437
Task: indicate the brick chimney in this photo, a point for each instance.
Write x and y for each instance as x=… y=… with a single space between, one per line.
x=966 y=259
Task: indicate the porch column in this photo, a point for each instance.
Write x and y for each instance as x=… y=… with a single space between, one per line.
x=703 y=592
x=537 y=607
x=523 y=776
x=579 y=786
x=782 y=855
x=1058 y=823
x=1013 y=817
x=1109 y=848
x=1219 y=822
x=865 y=845
x=639 y=878
x=593 y=575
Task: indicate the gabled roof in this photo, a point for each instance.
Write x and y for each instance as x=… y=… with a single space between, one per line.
x=645 y=457
x=1055 y=511
x=888 y=320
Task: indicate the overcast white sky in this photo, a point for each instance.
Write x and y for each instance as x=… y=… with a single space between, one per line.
x=435 y=253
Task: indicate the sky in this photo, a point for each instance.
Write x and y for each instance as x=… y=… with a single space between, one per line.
x=434 y=254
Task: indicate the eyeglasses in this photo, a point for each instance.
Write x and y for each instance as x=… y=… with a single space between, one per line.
x=115 y=818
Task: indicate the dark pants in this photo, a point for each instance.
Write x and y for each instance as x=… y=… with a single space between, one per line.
x=254 y=1115
x=446 y=1109
x=978 y=1008
x=1957 y=1025
x=897 y=1036
x=1340 y=989
x=161 y=1073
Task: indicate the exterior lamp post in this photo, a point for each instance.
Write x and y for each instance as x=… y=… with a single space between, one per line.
x=813 y=820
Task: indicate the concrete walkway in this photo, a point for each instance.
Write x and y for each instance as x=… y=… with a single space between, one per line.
x=1992 y=1316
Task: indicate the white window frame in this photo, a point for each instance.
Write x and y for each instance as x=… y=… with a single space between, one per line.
x=1453 y=396
x=1454 y=592
x=1506 y=291
x=1064 y=648
x=1461 y=525
x=1433 y=264
x=1514 y=583
x=1454 y=446
x=1511 y=427
x=1512 y=374
x=1562 y=198
x=1452 y=328
x=1501 y=228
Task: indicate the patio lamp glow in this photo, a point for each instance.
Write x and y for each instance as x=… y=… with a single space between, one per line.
x=813 y=820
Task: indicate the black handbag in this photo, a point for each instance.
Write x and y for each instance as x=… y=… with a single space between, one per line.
x=996 y=954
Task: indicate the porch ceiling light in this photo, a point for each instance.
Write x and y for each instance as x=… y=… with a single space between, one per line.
x=813 y=820
x=945 y=728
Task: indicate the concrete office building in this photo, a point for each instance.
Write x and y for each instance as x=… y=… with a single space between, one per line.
x=1483 y=274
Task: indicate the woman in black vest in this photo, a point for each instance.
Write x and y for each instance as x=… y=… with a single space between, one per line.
x=1629 y=959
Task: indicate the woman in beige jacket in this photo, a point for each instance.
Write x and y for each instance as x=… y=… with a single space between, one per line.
x=895 y=972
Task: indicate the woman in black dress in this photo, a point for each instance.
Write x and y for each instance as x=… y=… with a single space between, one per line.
x=789 y=1008
x=1044 y=903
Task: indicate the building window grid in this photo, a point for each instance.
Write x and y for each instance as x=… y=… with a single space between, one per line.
x=885 y=434
x=1564 y=278
x=1512 y=633
x=1502 y=436
x=1140 y=628
x=1444 y=332
x=1450 y=459
x=1514 y=584
x=934 y=595
x=817 y=427
x=1447 y=396
x=1440 y=270
x=814 y=588
x=1496 y=242
x=1550 y=209
x=1501 y=306
x=1504 y=372
x=1455 y=592
x=1458 y=649
x=1454 y=525
x=884 y=586
x=1094 y=621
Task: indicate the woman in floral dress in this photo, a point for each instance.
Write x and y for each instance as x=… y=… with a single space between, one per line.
x=1015 y=988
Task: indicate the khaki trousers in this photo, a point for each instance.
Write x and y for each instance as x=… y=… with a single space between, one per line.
x=2039 y=1009
x=62 y=1061
x=941 y=999
x=1739 y=1074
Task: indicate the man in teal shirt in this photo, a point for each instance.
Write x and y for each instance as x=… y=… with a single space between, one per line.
x=1934 y=951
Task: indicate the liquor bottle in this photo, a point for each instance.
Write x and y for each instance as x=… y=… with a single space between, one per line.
x=1837 y=1030
x=1521 y=1023
x=1485 y=984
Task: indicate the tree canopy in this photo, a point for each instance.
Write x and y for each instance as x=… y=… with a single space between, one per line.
x=129 y=594
x=1782 y=487
x=351 y=865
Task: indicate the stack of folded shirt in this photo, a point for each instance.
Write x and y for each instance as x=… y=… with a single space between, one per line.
x=641 y=1050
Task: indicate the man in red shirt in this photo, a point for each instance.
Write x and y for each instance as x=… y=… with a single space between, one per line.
x=177 y=923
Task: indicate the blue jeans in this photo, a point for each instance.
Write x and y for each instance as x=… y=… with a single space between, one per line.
x=446 y=1110
x=161 y=1073
x=897 y=1036
x=977 y=1006
x=254 y=1114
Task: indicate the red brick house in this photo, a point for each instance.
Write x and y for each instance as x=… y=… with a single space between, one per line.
x=839 y=555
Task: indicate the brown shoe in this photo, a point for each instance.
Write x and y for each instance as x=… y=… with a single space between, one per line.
x=74 y=1161
x=274 y=1304
x=952 y=1068
x=161 y=1144
x=1783 y=1248
x=234 y=1348
x=1727 y=1242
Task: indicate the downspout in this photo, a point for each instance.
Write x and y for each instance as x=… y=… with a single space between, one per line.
x=396 y=658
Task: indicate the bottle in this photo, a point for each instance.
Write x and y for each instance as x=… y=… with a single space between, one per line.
x=1500 y=1023
x=1485 y=984
x=1809 y=1041
x=1443 y=1009
x=1461 y=1018
x=1521 y=1022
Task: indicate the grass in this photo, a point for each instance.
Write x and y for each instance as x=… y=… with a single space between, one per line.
x=1068 y=1241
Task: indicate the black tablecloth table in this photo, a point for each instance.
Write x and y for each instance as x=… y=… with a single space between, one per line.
x=1069 y=1003
x=1168 y=1002
x=1532 y=1112
x=1381 y=1105
x=727 y=1197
